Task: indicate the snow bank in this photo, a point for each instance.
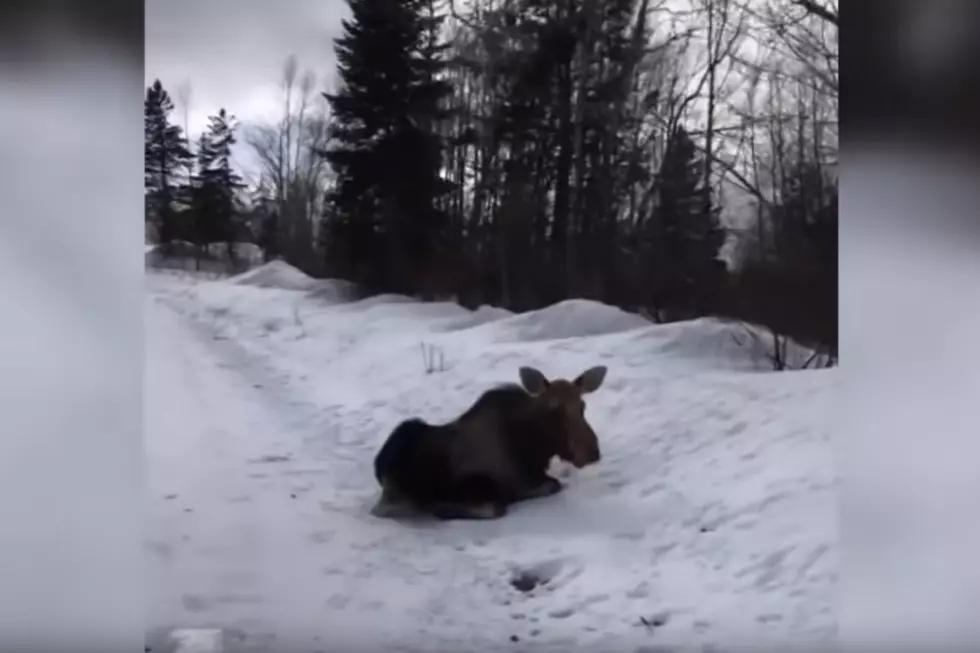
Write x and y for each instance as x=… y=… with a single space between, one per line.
x=572 y=318
x=283 y=276
x=717 y=343
x=276 y=274
x=482 y=315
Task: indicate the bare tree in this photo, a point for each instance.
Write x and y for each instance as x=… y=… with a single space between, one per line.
x=184 y=93
x=803 y=33
x=788 y=147
x=827 y=12
x=293 y=174
x=724 y=33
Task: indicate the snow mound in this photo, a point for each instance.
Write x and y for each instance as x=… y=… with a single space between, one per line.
x=426 y=314
x=479 y=317
x=380 y=300
x=276 y=274
x=572 y=318
x=725 y=343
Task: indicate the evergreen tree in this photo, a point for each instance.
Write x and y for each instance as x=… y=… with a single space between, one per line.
x=201 y=198
x=684 y=235
x=165 y=161
x=383 y=225
x=216 y=185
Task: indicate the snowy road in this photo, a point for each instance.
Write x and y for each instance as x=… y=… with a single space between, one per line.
x=251 y=533
x=228 y=543
x=710 y=521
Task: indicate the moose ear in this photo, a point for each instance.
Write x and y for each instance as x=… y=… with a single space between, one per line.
x=591 y=379
x=533 y=381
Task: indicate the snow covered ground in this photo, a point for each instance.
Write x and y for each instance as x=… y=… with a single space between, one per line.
x=711 y=520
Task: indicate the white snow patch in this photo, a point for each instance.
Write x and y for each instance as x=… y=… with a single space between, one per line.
x=571 y=318
x=276 y=274
x=710 y=521
x=717 y=343
x=482 y=315
x=197 y=640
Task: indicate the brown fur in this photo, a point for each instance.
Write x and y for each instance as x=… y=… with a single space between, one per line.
x=493 y=455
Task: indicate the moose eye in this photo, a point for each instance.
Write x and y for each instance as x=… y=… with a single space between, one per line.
x=577 y=409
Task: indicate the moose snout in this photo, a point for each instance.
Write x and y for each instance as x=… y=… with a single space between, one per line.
x=586 y=453
x=593 y=455
x=584 y=460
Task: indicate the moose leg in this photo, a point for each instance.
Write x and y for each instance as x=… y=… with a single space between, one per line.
x=474 y=496
x=392 y=505
x=544 y=486
x=447 y=510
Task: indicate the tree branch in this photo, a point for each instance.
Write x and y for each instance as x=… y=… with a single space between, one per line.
x=824 y=13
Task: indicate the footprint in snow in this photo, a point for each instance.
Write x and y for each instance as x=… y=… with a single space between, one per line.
x=528 y=578
x=270 y=459
x=654 y=621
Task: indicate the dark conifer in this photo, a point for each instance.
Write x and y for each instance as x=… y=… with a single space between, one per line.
x=165 y=164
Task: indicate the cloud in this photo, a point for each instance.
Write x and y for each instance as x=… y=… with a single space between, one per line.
x=232 y=54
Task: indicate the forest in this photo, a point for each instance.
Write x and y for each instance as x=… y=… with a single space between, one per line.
x=674 y=158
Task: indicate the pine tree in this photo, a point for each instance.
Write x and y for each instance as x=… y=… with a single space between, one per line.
x=684 y=235
x=383 y=214
x=216 y=185
x=201 y=198
x=166 y=159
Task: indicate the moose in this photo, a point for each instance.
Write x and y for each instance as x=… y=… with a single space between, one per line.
x=495 y=454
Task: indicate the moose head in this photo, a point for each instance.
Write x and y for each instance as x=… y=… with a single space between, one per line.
x=559 y=409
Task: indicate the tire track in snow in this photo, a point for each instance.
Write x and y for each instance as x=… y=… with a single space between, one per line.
x=239 y=551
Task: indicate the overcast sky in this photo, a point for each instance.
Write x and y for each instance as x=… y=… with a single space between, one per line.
x=232 y=53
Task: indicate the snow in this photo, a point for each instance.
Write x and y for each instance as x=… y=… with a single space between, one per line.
x=276 y=274
x=573 y=318
x=711 y=519
x=482 y=315
x=197 y=640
